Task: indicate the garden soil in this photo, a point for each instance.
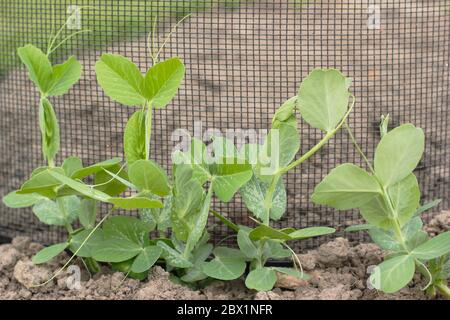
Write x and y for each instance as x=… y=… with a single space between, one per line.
x=338 y=270
x=241 y=65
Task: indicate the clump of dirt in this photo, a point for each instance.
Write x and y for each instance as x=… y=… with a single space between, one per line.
x=338 y=269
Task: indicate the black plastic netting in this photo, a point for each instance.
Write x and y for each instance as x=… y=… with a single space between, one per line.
x=243 y=59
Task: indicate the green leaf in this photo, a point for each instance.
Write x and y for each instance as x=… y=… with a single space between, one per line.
x=42 y=182
x=48 y=124
x=274 y=250
x=110 y=185
x=162 y=81
x=398 y=154
x=201 y=221
x=434 y=248
x=359 y=227
x=285 y=111
x=405 y=197
x=311 y=232
x=116 y=250
x=279 y=149
x=49 y=253
x=393 y=274
x=147 y=175
x=80 y=187
x=246 y=245
x=384 y=239
x=64 y=76
x=377 y=213
x=173 y=257
x=95 y=241
x=146 y=259
x=16 y=200
x=323 y=98
x=95 y=168
x=263 y=231
x=60 y=213
x=71 y=165
x=121 y=79
x=427 y=206
x=229 y=177
x=254 y=192
x=134 y=138
x=135 y=202
x=261 y=279
x=38 y=65
x=70 y=207
x=346 y=187
x=292 y=272
x=228 y=264
x=127 y=228
x=88 y=213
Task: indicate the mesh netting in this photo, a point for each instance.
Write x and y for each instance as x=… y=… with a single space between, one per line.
x=243 y=59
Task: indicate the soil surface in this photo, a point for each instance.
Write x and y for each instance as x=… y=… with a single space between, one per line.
x=241 y=65
x=338 y=270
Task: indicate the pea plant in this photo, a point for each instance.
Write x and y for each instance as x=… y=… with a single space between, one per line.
x=323 y=102
x=388 y=199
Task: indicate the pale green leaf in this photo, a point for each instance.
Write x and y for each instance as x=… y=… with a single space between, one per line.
x=95 y=168
x=263 y=231
x=399 y=153
x=173 y=257
x=64 y=76
x=88 y=213
x=346 y=187
x=147 y=175
x=311 y=232
x=146 y=259
x=393 y=274
x=261 y=279
x=162 y=82
x=38 y=65
x=434 y=248
x=323 y=98
x=405 y=197
x=72 y=164
x=48 y=124
x=121 y=79
x=16 y=200
x=49 y=253
x=228 y=264
x=134 y=138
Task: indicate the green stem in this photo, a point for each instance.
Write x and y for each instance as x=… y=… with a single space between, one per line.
x=358 y=148
x=148 y=129
x=443 y=288
x=269 y=198
x=320 y=144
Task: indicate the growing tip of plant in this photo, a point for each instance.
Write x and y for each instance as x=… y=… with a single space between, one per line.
x=384 y=124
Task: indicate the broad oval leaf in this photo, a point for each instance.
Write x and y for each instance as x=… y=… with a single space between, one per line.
x=60 y=213
x=323 y=98
x=42 y=182
x=254 y=192
x=162 y=82
x=71 y=165
x=134 y=138
x=434 y=248
x=147 y=175
x=109 y=184
x=49 y=253
x=246 y=245
x=398 y=153
x=261 y=279
x=89 y=246
x=97 y=167
x=16 y=200
x=405 y=198
x=121 y=79
x=64 y=76
x=228 y=264
x=88 y=213
x=346 y=187
x=116 y=250
x=146 y=259
x=393 y=274
x=38 y=65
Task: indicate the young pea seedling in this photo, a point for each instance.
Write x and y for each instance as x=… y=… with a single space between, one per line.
x=323 y=102
x=388 y=199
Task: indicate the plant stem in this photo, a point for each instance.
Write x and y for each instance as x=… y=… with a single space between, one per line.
x=320 y=144
x=148 y=129
x=443 y=288
x=269 y=198
x=358 y=148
